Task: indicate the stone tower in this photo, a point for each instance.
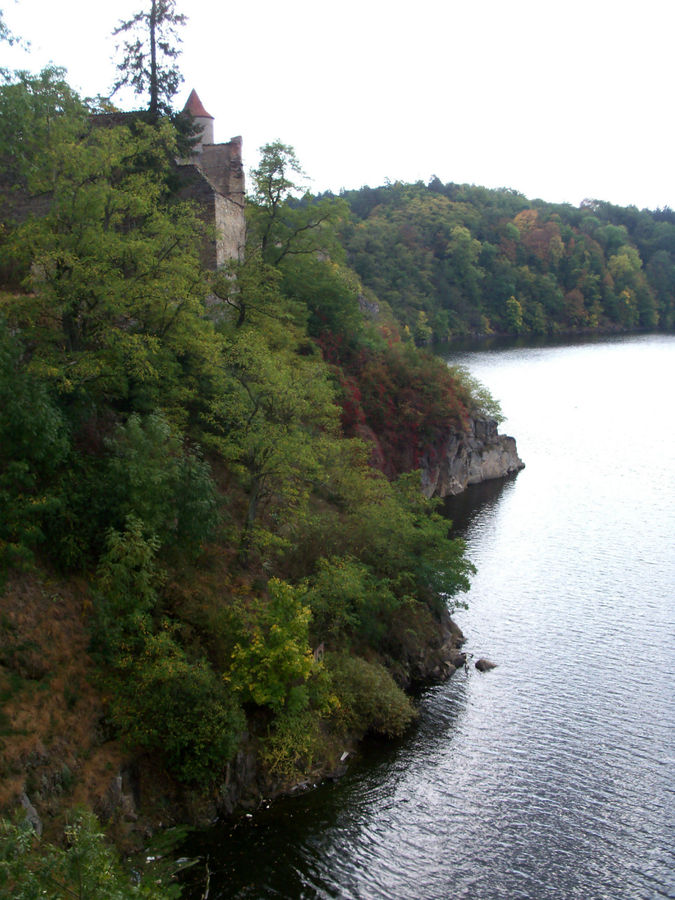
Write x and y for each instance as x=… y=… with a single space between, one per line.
x=203 y=120
x=214 y=179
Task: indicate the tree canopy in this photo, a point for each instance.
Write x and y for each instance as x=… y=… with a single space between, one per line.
x=205 y=449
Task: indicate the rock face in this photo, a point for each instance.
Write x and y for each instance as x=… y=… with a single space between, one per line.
x=470 y=456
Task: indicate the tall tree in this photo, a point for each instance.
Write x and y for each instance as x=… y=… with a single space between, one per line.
x=284 y=219
x=148 y=64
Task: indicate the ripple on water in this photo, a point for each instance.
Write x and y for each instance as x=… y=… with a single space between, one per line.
x=550 y=778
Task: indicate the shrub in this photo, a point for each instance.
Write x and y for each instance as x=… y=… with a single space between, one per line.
x=293 y=745
x=84 y=867
x=346 y=599
x=165 y=485
x=166 y=702
x=273 y=662
x=370 y=699
x=33 y=444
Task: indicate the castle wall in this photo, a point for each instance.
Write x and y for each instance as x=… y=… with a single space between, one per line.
x=231 y=230
x=222 y=165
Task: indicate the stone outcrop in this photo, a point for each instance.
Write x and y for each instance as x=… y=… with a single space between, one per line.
x=478 y=453
x=485 y=665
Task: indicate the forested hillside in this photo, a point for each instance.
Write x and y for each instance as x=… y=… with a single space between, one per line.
x=456 y=259
x=193 y=526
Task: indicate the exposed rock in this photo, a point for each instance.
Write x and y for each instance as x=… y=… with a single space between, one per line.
x=117 y=803
x=484 y=665
x=31 y=813
x=368 y=307
x=470 y=456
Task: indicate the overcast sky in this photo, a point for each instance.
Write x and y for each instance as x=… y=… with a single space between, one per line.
x=560 y=100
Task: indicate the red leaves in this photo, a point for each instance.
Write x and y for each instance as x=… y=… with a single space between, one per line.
x=402 y=396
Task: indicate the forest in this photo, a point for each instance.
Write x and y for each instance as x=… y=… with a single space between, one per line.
x=213 y=543
x=188 y=477
x=454 y=259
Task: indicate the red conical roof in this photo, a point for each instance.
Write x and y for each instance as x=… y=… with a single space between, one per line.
x=195 y=106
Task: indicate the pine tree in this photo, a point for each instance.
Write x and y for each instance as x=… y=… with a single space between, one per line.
x=148 y=64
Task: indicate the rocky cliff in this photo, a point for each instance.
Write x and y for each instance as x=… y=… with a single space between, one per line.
x=477 y=453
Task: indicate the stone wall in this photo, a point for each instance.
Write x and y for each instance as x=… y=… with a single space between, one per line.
x=213 y=178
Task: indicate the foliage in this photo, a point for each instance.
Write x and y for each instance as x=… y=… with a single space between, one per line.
x=34 y=442
x=368 y=696
x=282 y=228
x=159 y=482
x=165 y=702
x=474 y=395
x=148 y=64
x=113 y=310
x=459 y=259
x=271 y=421
x=121 y=357
x=85 y=867
x=294 y=743
x=127 y=582
x=347 y=599
x=273 y=663
x=407 y=398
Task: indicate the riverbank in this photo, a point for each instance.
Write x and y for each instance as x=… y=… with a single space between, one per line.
x=60 y=749
x=470 y=455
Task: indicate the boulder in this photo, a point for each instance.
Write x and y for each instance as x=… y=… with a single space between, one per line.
x=484 y=665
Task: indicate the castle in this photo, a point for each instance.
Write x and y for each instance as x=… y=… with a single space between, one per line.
x=213 y=178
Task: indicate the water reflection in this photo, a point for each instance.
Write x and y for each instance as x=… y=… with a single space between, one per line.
x=552 y=776
x=477 y=500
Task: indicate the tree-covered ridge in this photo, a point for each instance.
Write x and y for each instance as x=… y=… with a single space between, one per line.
x=190 y=446
x=459 y=259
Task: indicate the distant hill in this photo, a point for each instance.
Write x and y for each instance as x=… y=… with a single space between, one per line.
x=456 y=259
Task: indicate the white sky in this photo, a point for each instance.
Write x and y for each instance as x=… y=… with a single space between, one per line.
x=560 y=100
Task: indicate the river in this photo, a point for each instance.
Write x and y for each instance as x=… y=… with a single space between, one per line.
x=553 y=775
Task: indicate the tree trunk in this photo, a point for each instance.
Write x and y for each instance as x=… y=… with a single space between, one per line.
x=154 y=87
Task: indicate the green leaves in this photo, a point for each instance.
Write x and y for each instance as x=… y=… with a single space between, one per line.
x=166 y=702
x=34 y=443
x=282 y=225
x=83 y=866
x=166 y=486
x=112 y=262
x=271 y=665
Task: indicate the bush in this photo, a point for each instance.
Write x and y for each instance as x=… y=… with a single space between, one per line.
x=293 y=745
x=273 y=662
x=127 y=578
x=347 y=600
x=475 y=396
x=370 y=699
x=33 y=444
x=165 y=485
x=165 y=702
x=85 y=867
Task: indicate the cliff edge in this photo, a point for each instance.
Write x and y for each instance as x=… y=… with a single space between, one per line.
x=470 y=456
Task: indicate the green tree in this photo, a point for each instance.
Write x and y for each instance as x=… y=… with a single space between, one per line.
x=113 y=262
x=83 y=867
x=284 y=219
x=167 y=702
x=273 y=662
x=34 y=443
x=514 y=316
x=271 y=420
x=149 y=54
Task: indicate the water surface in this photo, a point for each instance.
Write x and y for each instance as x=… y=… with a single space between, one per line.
x=551 y=776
